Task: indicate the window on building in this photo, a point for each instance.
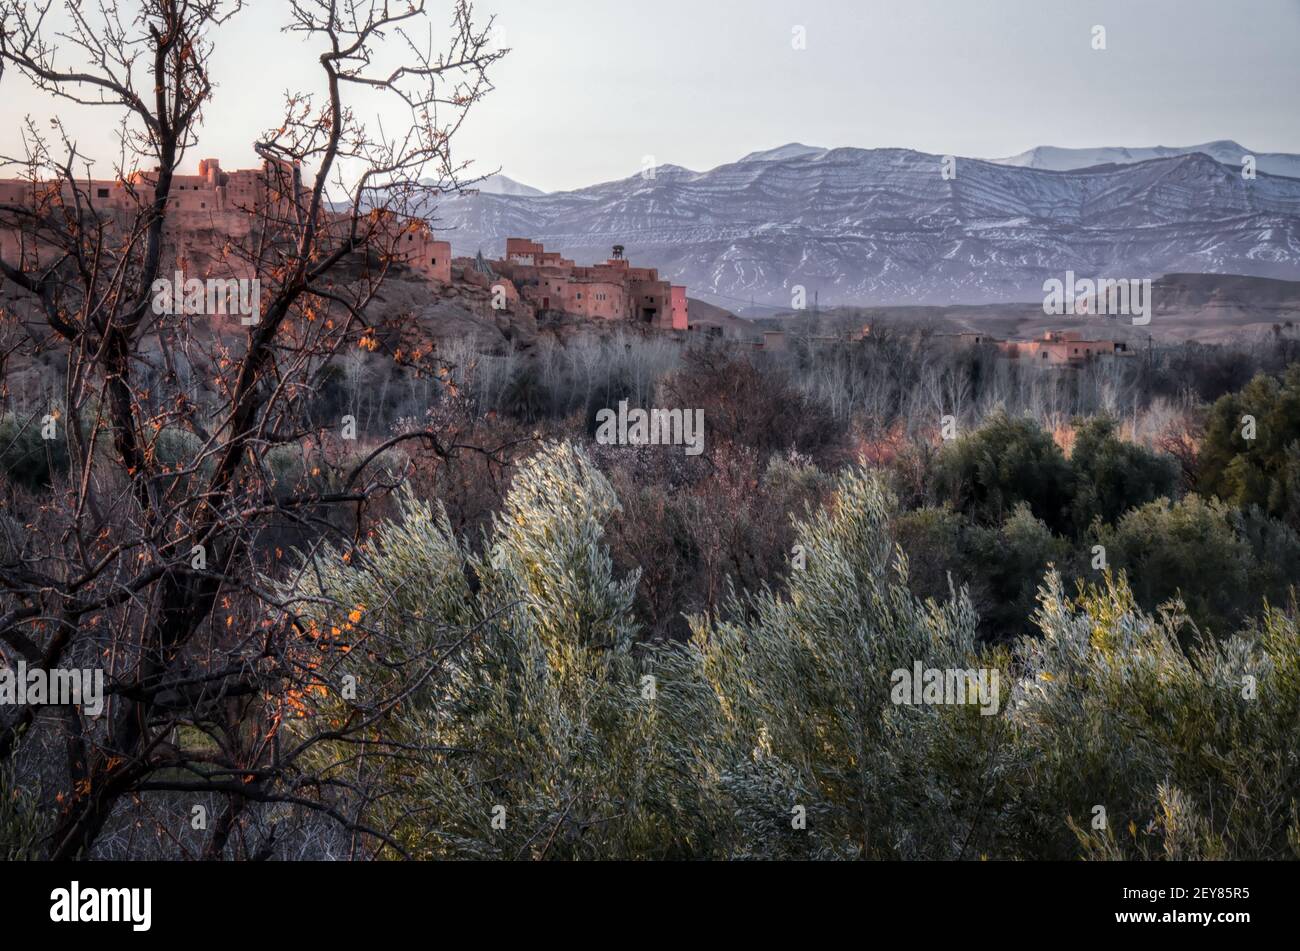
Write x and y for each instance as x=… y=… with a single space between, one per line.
x=102 y=193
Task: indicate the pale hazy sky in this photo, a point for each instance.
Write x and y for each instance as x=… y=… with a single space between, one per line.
x=594 y=86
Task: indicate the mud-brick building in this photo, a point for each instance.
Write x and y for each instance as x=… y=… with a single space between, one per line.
x=611 y=290
x=206 y=212
x=1061 y=348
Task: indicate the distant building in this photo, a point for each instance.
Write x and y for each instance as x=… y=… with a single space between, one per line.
x=611 y=290
x=772 y=341
x=1056 y=348
x=707 y=328
x=206 y=210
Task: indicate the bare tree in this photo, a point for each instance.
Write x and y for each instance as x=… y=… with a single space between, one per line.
x=157 y=562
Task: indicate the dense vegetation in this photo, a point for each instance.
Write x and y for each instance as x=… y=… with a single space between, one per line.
x=549 y=714
x=560 y=649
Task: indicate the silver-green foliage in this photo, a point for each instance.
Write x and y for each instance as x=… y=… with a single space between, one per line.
x=804 y=680
x=525 y=697
x=539 y=734
x=1192 y=753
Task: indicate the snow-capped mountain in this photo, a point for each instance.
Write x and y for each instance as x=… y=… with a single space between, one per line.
x=1224 y=150
x=885 y=226
x=795 y=150
x=501 y=185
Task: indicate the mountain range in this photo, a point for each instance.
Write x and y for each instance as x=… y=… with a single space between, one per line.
x=888 y=226
x=1225 y=151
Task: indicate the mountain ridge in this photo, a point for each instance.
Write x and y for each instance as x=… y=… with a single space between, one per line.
x=1225 y=151
x=885 y=226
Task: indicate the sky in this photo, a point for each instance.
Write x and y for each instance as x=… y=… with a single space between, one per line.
x=592 y=88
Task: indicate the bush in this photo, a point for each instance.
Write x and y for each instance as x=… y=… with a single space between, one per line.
x=525 y=398
x=1264 y=471
x=1188 y=758
x=178 y=449
x=805 y=681
x=1112 y=476
x=1275 y=562
x=986 y=474
x=728 y=522
x=1014 y=559
x=757 y=408
x=1188 y=752
x=531 y=697
x=1188 y=549
x=938 y=543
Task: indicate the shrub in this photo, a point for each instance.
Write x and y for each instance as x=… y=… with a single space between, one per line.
x=1188 y=758
x=525 y=398
x=728 y=521
x=1188 y=549
x=1112 y=476
x=938 y=543
x=1264 y=471
x=757 y=408
x=1014 y=559
x=805 y=681
x=1275 y=562
x=530 y=695
x=987 y=473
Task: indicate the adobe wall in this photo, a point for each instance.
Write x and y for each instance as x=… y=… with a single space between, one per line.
x=425 y=254
x=651 y=302
x=597 y=300
x=680 y=307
